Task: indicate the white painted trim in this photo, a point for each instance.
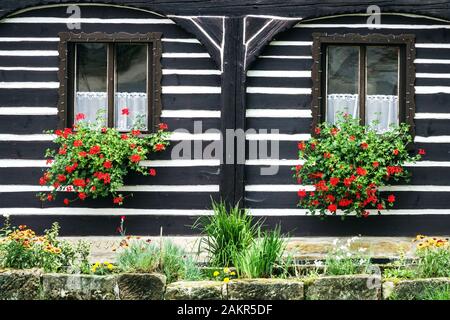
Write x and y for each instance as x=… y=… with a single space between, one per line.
x=277 y=113
x=180 y=163
x=273 y=162
x=433 y=75
x=374 y=26
x=189 y=113
x=28 y=53
x=432 y=139
x=279 y=74
x=277 y=137
x=30 y=39
x=433 y=45
x=191 y=72
x=425 y=115
x=304 y=212
x=11 y=188
x=28 y=111
x=52 y=20
x=286 y=57
x=291 y=43
x=273 y=17
x=432 y=61
x=179 y=136
x=20 y=163
x=432 y=89
x=68 y=211
x=295 y=188
x=188 y=40
x=429 y=164
x=191 y=90
x=278 y=90
x=29 y=85
x=28 y=69
x=188 y=55
x=27 y=137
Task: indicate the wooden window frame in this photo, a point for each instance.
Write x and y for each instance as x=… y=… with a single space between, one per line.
x=66 y=75
x=406 y=42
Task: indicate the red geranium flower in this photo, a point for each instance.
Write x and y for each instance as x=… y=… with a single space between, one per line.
x=104 y=130
x=152 y=172
x=135 y=158
x=301 y=193
x=80 y=116
x=330 y=198
x=361 y=171
x=332 y=207
x=135 y=132
x=327 y=155
x=391 y=198
x=77 y=143
x=66 y=201
x=352 y=138
x=395 y=152
x=79 y=182
x=107 y=164
x=317 y=130
x=334 y=131
x=61 y=178
x=365 y=213
x=94 y=150
x=82 y=154
x=380 y=206
x=118 y=200
x=124 y=137
x=82 y=195
x=334 y=181
x=50 y=197
x=364 y=145
x=125 y=111
x=375 y=164
x=301 y=146
x=160 y=147
x=422 y=152
x=163 y=126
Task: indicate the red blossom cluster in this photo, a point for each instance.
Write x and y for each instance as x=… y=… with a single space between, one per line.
x=93 y=162
x=345 y=165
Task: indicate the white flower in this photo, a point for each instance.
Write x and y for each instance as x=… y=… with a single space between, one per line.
x=318 y=263
x=6 y=215
x=362 y=261
x=349 y=254
x=335 y=242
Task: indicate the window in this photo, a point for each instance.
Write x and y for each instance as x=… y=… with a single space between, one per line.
x=369 y=77
x=114 y=77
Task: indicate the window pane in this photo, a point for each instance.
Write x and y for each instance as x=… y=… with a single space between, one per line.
x=342 y=81
x=131 y=87
x=91 y=81
x=382 y=103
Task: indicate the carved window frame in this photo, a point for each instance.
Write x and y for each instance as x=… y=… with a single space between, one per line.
x=66 y=72
x=407 y=70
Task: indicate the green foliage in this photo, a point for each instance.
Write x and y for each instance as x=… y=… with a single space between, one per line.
x=227 y=232
x=259 y=259
x=433 y=262
x=439 y=293
x=341 y=260
x=348 y=163
x=93 y=160
x=21 y=248
x=169 y=259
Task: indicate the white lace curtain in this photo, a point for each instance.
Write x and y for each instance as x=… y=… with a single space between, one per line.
x=382 y=108
x=89 y=103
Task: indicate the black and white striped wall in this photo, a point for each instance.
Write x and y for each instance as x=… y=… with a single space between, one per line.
x=202 y=80
x=191 y=91
x=279 y=97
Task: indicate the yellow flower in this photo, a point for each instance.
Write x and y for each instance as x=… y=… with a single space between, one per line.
x=226 y=270
x=232 y=273
x=110 y=266
x=226 y=280
x=216 y=273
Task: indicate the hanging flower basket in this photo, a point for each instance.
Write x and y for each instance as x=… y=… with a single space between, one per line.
x=346 y=165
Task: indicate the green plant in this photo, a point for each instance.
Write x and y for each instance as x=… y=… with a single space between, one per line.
x=93 y=160
x=168 y=258
x=21 y=248
x=341 y=260
x=228 y=231
x=439 y=293
x=433 y=258
x=400 y=269
x=259 y=259
x=347 y=163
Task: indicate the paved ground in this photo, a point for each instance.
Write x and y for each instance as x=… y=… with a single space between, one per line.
x=303 y=248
